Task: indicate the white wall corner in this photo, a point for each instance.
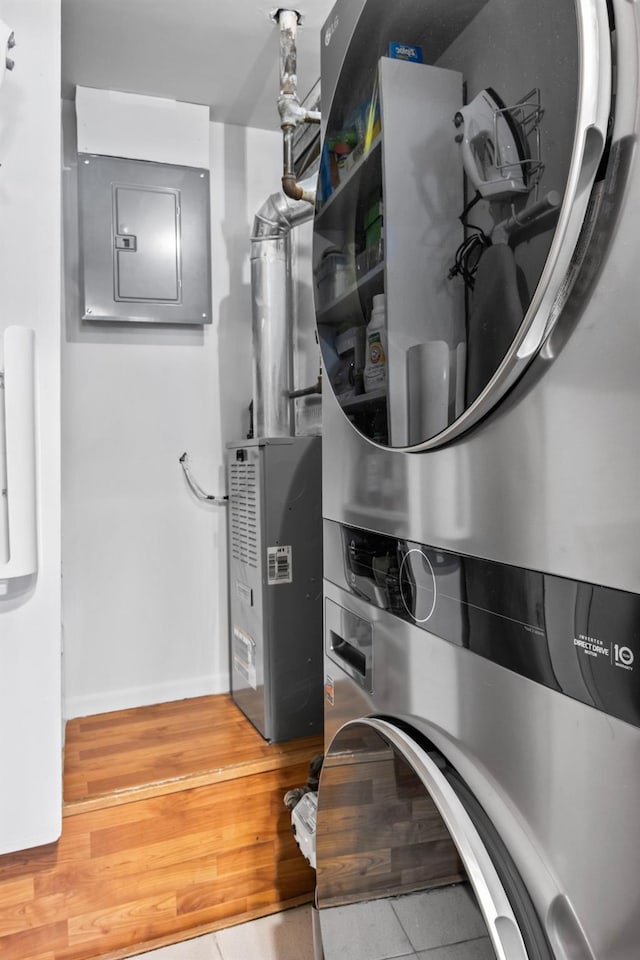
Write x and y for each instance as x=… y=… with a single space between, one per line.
x=123 y=699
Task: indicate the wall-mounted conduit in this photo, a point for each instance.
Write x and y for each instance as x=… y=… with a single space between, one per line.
x=194 y=486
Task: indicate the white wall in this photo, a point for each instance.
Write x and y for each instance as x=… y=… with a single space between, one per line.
x=30 y=720
x=144 y=562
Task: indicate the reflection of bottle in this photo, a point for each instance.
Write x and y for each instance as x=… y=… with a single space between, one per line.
x=375 y=368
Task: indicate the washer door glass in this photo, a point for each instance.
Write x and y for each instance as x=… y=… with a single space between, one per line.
x=405 y=866
x=456 y=172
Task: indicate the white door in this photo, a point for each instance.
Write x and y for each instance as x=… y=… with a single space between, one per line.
x=30 y=630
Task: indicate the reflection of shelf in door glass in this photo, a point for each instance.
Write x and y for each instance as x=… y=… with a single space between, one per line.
x=350 y=301
x=406 y=192
x=368 y=413
x=362 y=178
x=364 y=400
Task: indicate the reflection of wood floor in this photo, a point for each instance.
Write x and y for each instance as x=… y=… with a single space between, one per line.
x=174 y=825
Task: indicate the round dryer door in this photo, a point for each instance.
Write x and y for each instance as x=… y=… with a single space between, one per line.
x=459 y=177
x=407 y=861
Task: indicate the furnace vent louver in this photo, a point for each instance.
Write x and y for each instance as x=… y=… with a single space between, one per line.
x=244 y=513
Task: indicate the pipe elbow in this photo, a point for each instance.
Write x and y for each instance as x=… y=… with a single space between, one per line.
x=295 y=191
x=291 y=188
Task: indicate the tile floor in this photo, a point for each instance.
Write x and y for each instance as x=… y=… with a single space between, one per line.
x=281 y=936
x=443 y=924
x=440 y=925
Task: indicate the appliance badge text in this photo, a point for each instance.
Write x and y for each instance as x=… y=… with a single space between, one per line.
x=331 y=29
x=618 y=656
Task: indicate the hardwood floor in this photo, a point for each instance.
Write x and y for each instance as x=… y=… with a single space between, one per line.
x=174 y=825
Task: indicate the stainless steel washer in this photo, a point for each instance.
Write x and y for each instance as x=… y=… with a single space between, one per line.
x=473 y=785
x=482 y=576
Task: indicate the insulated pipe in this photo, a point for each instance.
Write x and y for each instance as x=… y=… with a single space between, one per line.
x=291 y=113
x=272 y=311
x=288 y=22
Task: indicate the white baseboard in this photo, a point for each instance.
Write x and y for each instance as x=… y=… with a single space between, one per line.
x=183 y=689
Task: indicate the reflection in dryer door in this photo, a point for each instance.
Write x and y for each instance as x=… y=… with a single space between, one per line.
x=390 y=882
x=407 y=860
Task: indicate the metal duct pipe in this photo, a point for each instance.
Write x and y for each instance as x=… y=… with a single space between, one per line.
x=291 y=112
x=272 y=311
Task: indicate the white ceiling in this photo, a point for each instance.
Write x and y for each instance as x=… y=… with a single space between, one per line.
x=223 y=53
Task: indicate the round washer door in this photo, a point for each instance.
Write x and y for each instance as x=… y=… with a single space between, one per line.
x=455 y=198
x=408 y=862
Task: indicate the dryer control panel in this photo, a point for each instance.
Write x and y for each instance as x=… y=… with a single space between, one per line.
x=581 y=639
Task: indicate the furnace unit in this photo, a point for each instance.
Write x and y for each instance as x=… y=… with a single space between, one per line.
x=275 y=584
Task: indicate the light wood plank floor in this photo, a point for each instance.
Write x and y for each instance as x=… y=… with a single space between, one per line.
x=174 y=825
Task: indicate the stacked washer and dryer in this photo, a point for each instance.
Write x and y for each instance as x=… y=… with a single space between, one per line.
x=481 y=785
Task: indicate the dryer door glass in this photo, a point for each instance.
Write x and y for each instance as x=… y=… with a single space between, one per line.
x=402 y=869
x=455 y=178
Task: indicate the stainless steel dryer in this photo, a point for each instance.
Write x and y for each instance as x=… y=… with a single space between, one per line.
x=480 y=785
x=482 y=576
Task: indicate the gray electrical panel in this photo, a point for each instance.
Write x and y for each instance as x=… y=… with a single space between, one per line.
x=144 y=241
x=275 y=584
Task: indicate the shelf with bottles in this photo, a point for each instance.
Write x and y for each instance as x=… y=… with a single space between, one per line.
x=368 y=413
x=364 y=401
x=351 y=299
x=362 y=395
x=351 y=155
x=356 y=355
x=361 y=178
x=350 y=259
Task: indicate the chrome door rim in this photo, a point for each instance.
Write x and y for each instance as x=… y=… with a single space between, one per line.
x=502 y=925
